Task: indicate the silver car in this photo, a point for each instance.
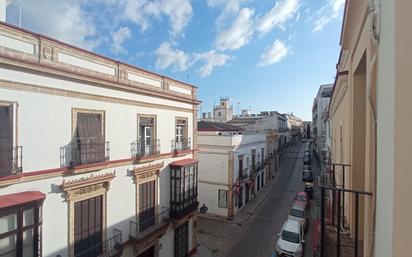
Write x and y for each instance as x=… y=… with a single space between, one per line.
x=298 y=213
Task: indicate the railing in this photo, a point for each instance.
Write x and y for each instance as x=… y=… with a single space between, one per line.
x=339 y=218
x=111 y=247
x=184 y=144
x=140 y=149
x=144 y=228
x=184 y=207
x=78 y=153
x=10 y=161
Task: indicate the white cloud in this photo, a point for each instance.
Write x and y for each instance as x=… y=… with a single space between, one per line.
x=327 y=13
x=211 y=60
x=273 y=54
x=142 y=12
x=170 y=57
x=62 y=20
x=321 y=23
x=238 y=34
x=118 y=38
x=167 y=56
x=278 y=15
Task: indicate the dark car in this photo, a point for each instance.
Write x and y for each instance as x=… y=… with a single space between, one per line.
x=306 y=160
x=307 y=176
x=307 y=167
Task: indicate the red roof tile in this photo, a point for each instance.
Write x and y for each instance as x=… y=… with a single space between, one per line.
x=20 y=198
x=184 y=162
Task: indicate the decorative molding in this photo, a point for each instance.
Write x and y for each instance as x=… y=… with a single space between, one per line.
x=147 y=169
x=88 y=181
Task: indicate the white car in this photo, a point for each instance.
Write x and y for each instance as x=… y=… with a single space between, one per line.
x=298 y=213
x=290 y=241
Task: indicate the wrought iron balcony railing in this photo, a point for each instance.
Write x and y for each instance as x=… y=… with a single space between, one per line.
x=184 y=144
x=111 y=247
x=142 y=229
x=140 y=148
x=10 y=161
x=84 y=152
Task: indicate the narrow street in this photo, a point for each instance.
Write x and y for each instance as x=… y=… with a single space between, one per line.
x=257 y=235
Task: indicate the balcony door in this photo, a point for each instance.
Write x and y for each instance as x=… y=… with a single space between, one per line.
x=90 y=145
x=88 y=227
x=6 y=140
x=181 y=244
x=147 y=205
x=179 y=136
x=146 y=131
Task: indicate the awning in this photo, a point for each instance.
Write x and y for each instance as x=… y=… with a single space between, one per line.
x=20 y=198
x=184 y=162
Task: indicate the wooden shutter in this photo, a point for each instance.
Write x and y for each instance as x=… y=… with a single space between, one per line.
x=6 y=140
x=89 y=137
x=147 y=205
x=88 y=227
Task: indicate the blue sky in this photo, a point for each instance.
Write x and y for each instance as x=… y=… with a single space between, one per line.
x=264 y=55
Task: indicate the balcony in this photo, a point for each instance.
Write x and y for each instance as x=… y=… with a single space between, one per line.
x=140 y=150
x=179 y=209
x=80 y=153
x=10 y=161
x=111 y=247
x=150 y=228
x=183 y=145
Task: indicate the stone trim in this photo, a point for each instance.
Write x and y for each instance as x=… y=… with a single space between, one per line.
x=45 y=58
x=85 y=188
x=68 y=93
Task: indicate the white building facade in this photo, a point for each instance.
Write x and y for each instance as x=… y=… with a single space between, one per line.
x=97 y=156
x=319 y=116
x=232 y=168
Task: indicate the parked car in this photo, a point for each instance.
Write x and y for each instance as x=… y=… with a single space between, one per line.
x=298 y=213
x=274 y=254
x=307 y=167
x=309 y=189
x=306 y=160
x=302 y=198
x=307 y=176
x=290 y=241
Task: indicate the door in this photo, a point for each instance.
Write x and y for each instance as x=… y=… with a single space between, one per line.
x=181 y=244
x=247 y=193
x=88 y=227
x=240 y=202
x=146 y=140
x=148 y=253
x=179 y=137
x=146 y=205
x=6 y=140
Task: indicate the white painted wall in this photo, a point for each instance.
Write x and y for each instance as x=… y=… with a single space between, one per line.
x=44 y=125
x=214 y=152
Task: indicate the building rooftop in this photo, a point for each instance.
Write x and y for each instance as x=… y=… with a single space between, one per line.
x=216 y=126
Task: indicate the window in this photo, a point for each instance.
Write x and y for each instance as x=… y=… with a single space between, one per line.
x=147 y=206
x=9 y=154
x=181 y=239
x=88 y=227
x=222 y=201
x=183 y=188
x=147 y=142
x=181 y=140
x=263 y=154
x=247 y=162
x=253 y=159
x=20 y=232
x=219 y=114
x=240 y=166
x=89 y=141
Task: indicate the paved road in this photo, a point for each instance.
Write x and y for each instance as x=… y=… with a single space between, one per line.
x=260 y=232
